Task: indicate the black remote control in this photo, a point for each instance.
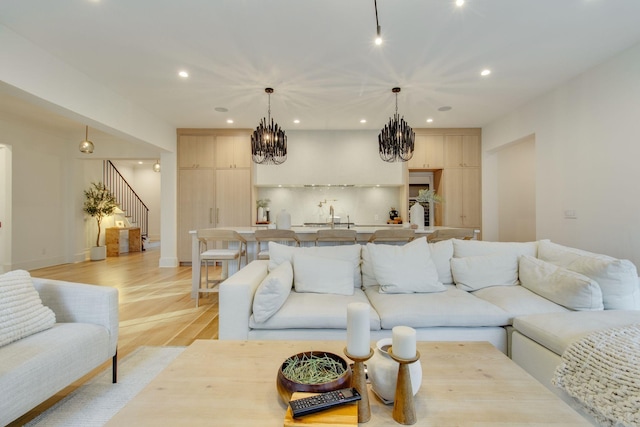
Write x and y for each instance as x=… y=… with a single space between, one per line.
x=323 y=401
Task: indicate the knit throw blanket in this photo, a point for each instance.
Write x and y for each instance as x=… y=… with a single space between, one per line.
x=602 y=373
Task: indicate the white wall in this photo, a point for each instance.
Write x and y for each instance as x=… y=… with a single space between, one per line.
x=586 y=159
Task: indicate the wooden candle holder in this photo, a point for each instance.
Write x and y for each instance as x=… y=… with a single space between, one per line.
x=359 y=382
x=404 y=411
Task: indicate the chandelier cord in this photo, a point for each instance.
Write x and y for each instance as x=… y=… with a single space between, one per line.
x=375 y=4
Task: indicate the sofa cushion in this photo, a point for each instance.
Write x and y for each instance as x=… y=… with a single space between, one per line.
x=476 y=272
x=405 y=269
x=21 y=310
x=441 y=254
x=272 y=292
x=315 y=311
x=565 y=287
x=556 y=331
x=618 y=279
x=279 y=253
x=518 y=300
x=453 y=307
x=322 y=275
x=465 y=248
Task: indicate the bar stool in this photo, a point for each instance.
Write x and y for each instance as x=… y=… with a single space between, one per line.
x=279 y=236
x=341 y=237
x=450 y=233
x=402 y=235
x=218 y=245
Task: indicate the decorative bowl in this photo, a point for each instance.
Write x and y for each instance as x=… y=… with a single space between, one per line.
x=286 y=387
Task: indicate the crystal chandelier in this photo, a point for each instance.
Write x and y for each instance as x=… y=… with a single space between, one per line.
x=268 y=141
x=396 y=139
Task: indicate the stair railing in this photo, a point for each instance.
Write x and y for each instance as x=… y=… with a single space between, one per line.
x=127 y=198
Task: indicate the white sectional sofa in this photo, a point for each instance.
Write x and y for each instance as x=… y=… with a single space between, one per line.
x=476 y=293
x=51 y=337
x=530 y=300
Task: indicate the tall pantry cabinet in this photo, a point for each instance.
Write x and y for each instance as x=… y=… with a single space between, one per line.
x=214 y=182
x=454 y=157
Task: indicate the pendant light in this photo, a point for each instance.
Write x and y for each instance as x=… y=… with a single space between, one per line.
x=268 y=141
x=396 y=139
x=86 y=146
x=156 y=166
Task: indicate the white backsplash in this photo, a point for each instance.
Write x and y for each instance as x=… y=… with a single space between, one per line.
x=363 y=205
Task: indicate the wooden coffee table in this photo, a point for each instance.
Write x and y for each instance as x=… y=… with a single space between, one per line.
x=233 y=383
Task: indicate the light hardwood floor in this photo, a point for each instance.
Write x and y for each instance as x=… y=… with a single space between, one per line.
x=156 y=308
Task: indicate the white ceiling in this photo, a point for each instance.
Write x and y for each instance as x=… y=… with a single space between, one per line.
x=320 y=58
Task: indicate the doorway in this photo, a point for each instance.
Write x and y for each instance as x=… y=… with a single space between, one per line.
x=5 y=208
x=517 y=191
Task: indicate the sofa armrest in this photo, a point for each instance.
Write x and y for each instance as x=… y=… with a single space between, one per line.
x=81 y=303
x=236 y=300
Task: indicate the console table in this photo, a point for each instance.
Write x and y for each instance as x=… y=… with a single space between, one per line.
x=112 y=240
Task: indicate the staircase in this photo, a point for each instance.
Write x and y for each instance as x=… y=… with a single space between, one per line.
x=135 y=210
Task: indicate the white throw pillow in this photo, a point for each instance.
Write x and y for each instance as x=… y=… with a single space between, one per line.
x=279 y=253
x=272 y=292
x=441 y=254
x=618 y=279
x=564 y=287
x=405 y=269
x=322 y=275
x=477 y=272
x=21 y=310
x=465 y=248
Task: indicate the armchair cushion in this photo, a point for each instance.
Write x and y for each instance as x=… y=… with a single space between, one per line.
x=21 y=310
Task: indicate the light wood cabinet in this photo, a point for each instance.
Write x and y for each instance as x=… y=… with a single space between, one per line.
x=196 y=151
x=462 y=151
x=462 y=197
x=196 y=206
x=428 y=152
x=233 y=152
x=233 y=197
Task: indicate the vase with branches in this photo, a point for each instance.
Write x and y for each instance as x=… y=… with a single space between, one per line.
x=99 y=203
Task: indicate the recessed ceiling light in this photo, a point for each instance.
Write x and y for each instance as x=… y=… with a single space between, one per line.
x=221 y=109
x=459 y=3
x=139 y=163
x=363 y=120
x=444 y=108
x=429 y=120
x=296 y=121
x=229 y=121
x=485 y=72
x=183 y=74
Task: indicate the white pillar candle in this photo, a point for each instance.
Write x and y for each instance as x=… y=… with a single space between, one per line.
x=403 y=342
x=358 y=332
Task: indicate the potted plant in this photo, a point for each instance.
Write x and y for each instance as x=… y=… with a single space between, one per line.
x=99 y=203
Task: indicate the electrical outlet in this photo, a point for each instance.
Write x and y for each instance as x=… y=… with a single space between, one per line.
x=570 y=214
x=376 y=217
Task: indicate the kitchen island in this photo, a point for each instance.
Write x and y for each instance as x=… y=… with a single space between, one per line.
x=306 y=234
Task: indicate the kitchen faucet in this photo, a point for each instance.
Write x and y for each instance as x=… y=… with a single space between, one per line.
x=332 y=212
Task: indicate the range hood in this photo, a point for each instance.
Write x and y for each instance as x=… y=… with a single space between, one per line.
x=337 y=158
